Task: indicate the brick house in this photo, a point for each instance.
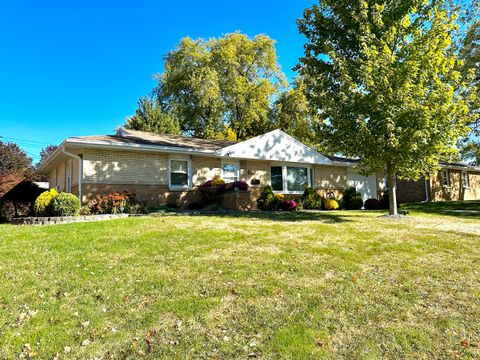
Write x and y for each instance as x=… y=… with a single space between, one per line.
x=168 y=169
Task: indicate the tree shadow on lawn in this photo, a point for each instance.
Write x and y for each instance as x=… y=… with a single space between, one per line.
x=322 y=216
x=467 y=208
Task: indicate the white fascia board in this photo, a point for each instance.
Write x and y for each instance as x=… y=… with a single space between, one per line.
x=137 y=147
x=49 y=160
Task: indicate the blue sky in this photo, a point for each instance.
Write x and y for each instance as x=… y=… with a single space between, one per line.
x=78 y=67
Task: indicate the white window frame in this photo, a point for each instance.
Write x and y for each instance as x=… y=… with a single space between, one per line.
x=445 y=175
x=465 y=180
x=231 y=162
x=189 y=174
x=284 y=177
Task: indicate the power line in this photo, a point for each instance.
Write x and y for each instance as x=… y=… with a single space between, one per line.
x=8 y=138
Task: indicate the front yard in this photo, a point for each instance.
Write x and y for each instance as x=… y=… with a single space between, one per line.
x=293 y=285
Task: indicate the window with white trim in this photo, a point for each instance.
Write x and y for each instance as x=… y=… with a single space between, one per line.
x=230 y=172
x=465 y=181
x=290 y=179
x=179 y=173
x=445 y=178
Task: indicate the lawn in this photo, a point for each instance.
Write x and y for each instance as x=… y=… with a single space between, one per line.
x=305 y=285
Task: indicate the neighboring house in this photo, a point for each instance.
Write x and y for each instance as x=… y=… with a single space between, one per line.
x=168 y=169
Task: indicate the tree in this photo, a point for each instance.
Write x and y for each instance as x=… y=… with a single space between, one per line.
x=385 y=80
x=225 y=83
x=45 y=153
x=470 y=69
x=150 y=116
x=249 y=77
x=15 y=165
x=292 y=113
x=13 y=159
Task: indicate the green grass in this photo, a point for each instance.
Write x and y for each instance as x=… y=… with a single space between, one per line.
x=469 y=208
x=305 y=285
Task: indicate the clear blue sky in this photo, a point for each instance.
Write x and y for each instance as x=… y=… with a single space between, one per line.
x=78 y=67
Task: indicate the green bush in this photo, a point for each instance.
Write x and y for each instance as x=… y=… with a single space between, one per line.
x=311 y=199
x=43 y=203
x=266 y=200
x=66 y=204
x=352 y=199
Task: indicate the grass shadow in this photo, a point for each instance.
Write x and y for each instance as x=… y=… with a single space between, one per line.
x=468 y=208
x=323 y=216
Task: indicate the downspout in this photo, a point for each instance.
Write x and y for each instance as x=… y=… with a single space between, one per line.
x=426 y=192
x=80 y=170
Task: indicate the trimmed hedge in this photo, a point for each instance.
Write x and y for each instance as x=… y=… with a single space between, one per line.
x=372 y=204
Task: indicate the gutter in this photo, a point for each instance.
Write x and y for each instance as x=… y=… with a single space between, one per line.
x=427 y=198
x=80 y=170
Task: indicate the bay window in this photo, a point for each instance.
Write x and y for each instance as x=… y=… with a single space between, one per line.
x=290 y=179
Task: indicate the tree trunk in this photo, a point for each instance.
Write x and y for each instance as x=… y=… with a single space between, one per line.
x=392 y=190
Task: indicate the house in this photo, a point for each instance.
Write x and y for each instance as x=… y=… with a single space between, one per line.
x=168 y=169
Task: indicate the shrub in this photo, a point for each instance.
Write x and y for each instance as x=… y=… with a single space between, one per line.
x=384 y=201
x=218 y=181
x=240 y=185
x=266 y=201
x=311 y=199
x=287 y=205
x=372 y=204
x=115 y=203
x=331 y=204
x=43 y=203
x=352 y=199
x=65 y=204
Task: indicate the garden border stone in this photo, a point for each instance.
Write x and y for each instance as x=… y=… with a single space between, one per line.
x=52 y=220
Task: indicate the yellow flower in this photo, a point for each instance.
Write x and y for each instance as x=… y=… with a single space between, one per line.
x=280 y=197
x=218 y=181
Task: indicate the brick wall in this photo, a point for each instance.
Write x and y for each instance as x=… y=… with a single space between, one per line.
x=124 y=167
x=410 y=191
x=455 y=191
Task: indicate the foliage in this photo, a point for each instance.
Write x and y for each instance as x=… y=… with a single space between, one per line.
x=65 y=204
x=292 y=114
x=43 y=203
x=372 y=204
x=385 y=80
x=239 y=185
x=352 y=199
x=150 y=116
x=13 y=160
x=311 y=199
x=287 y=205
x=266 y=200
x=115 y=203
x=45 y=153
x=218 y=181
x=331 y=204
x=470 y=54
x=221 y=86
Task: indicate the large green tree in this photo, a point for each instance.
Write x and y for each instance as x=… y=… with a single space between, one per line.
x=150 y=116
x=209 y=86
x=470 y=53
x=292 y=113
x=383 y=76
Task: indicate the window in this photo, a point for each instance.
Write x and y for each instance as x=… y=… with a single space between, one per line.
x=230 y=172
x=465 y=182
x=276 y=178
x=179 y=173
x=290 y=179
x=445 y=179
x=297 y=178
